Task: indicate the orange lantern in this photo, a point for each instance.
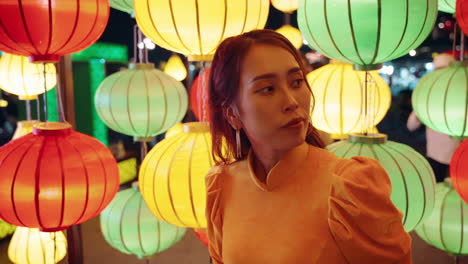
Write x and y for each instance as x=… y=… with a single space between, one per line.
x=199 y=96
x=46 y=30
x=55 y=177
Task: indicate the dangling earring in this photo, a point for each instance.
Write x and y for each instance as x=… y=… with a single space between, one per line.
x=238 y=145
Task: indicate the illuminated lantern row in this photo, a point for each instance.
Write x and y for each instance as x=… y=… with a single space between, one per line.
x=461 y=12
x=195 y=28
x=447 y=6
x=440 y=99
x=338 y=96
x=292 y=34
x=6 y=229
x=142 y=101
x=412 y=179
x=176 y=68
x=31 y=246
x=447 y=226
x=363 y=32
x=286 y=6
x=459 y=170
x=128 y=226
x=46 y=30
x=172 y=176
x=199 y=96
x=123 y=5
x=19 y=76
x=55 y=177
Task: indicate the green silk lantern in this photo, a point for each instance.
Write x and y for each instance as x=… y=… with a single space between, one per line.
x=447 y=6
x=123 y=5
x=6 y=229
x=128 y=226
x=447 y=226
x=142 y=101
x=366 y=33
x=411 y=175
x=441 y=97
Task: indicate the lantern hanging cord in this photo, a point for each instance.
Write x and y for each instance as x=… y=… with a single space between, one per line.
x=38 y=109
x=201 y=88
x=55 y=247
x=143 y=150
x=46 y=116
x=462 y=45
x=61 y=111
x=147 y=261
x=287 y=18
x=28 y=110
x=454 y=42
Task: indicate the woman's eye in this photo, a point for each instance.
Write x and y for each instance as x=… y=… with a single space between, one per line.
x=266 y=90
x=297 y=82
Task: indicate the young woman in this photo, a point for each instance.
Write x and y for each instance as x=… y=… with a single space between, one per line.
x=275 y=195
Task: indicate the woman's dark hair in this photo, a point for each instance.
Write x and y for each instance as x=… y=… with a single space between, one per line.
x=224 y=83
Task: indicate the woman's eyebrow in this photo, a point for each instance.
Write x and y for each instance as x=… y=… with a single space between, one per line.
x=273 y=75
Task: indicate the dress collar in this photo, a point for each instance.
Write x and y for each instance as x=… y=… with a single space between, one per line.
x=284 y=169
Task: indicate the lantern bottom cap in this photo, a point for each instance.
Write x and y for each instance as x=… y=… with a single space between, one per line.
x=368 y=67
x=54 y=229
x=370 y=138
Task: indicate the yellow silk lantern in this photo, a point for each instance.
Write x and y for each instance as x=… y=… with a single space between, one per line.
x=178 y=127
x=3 y=103
x=172 y=176
x=19 y=76
x=23 y=128
x=30 y=246
x=195 y=28
x=340 y=101
x=287 y=6
x=291 y=33
x=176 y=68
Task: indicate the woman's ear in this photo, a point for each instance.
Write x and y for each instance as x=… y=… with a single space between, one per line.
x=232 y=116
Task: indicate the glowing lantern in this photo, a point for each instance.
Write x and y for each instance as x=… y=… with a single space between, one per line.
x=23 y=78
x=174 y=130
x=6 y=229
x=55 y=177
x=176 y=68
x=291 y=33
x=46 y=30
x=447 y=6
x=23 y=128
x=128 y=226
x=461 y=12
x=411 y=175
x=196 y=28
x=366 y=33
x=31 y=246
x=199 y=96
x=286 y=6
x=3 y=103
x=459 y=170
x=202 y=236
x=172 y=176
x=127 y=170
x=339 y=95
x=447 y=226
x=123 y=5
x=142 y=102
x=440 y=99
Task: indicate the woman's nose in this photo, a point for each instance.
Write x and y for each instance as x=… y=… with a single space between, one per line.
x=290 y=102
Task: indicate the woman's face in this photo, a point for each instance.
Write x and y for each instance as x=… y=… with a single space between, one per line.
x=274 y=99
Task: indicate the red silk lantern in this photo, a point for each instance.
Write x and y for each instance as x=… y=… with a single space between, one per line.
x=46 y=30
x=459 y=170
x=461 y=13
x=55 y=177
x=199 y=96
x=202 y=236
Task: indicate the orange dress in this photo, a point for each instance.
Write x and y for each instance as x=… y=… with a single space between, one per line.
x=314 y=208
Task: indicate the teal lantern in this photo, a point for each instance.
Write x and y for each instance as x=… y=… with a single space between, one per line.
x=142 y=101
x=6 y=229
x=366 y=33
x=128 y=226
x=447 y=227
x=440 y=99
x=123 y=5
x=411 y=175
x=447 y=6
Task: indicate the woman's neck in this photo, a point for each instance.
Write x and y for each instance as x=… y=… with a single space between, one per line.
x=264 y=160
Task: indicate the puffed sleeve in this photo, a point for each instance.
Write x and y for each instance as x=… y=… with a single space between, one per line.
x=213 y=214
x=364 y=222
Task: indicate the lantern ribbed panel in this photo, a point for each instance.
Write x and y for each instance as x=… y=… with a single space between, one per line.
x=199 y=96
x=128 y=226
x=23 y=78
x=122 y=5
x=366 y=32
x=30 y=246
x=447 y=6
x=459 y=170
x=6 y=229
x=440 y=100
x=410 y=174
x=55 y=178
x=447 y=226
x=292 y=34
x=461 y=12
x=172 y=177
x=48 y=29
x=339 y=94
x=287 y=6
x=141 y=102
x=195 y=28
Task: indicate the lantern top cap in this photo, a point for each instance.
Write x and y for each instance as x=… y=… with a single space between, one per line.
x=135 y=186
x=51 y=128
x=367 y=139
x=196 y=127
x=141 y=66
x=448 y=182
x=208 y=57
x=458 y=64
